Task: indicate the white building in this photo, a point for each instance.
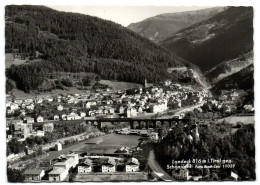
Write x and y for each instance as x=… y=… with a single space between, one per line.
x=59 y=107
x=89 y=104
x=75 y=158
x=154 y=136
x=85 y=167
x=30 y=107
x=132 y=165
x=56 y=117
x=38 y=100
x=50 y=99
x=64 y=117
x=40 y=133
x=109 y=167
x=82 y=114
x=29 y=120
x=160 y=107
x=249 y=108
x=33 y=175
x=66 y=164
x=39 y=119
x=58 y=146
x=181 y=174
x=131 y=112
x=58 y=175
x=14 y=106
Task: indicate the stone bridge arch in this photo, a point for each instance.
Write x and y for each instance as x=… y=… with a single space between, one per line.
x=136 y=125
x=158 y=124
x=150 y=124
x=143 y=124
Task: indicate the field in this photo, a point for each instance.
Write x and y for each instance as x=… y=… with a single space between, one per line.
x=9 y=60
x=236 y=119
x=72 y=90
x=120 y=85
x=108 y=144
x=20 y=94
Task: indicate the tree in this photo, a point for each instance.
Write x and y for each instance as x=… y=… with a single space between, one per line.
x=14 y=175
x=86 y=81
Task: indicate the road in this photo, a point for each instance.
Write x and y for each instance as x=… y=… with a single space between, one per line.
x=180 y=110
x=157 y=169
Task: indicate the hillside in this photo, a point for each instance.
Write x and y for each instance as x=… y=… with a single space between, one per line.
x=225 y=36
x=230 y=67
x=160 y=27
x=70 y=42
x=243 y=79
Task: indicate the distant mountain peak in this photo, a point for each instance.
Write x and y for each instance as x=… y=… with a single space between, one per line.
x=161 y=26
x=223 y=37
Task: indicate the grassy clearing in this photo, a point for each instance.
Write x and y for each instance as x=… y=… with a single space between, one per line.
x=20 y=94
x=120 y=85
x=10 y=60
x=73 y=90
x=236 y=119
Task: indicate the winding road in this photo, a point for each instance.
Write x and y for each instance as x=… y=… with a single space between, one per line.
x=157 y=169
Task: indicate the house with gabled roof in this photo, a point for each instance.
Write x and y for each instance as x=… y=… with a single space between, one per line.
x=33 y=175
x=132 y=165
x=109 y=166
x=85 y=167
x=58 y=175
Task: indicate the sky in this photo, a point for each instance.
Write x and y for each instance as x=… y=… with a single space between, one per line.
x=125 y=15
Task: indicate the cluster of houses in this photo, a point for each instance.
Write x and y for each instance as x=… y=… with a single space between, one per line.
x=59 y=172
x=227 y=102
x=21 y=129
x=87 y=165
x=108 y=165
x=108 y=103
x=95 y=104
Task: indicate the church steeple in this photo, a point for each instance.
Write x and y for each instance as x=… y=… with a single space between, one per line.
x=145 y=83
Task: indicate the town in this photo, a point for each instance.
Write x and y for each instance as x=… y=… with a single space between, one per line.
x=147 y=102
x=47 y=122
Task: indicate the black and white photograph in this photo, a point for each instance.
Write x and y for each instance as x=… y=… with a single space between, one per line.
x=128 y=93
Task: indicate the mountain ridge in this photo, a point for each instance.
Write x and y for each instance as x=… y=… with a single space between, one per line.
x=159 y=27
x=230 y=67
x=225 y=36
x=72 y=42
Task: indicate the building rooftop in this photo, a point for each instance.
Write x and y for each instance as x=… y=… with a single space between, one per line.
x=68 y=161
x=57 y=171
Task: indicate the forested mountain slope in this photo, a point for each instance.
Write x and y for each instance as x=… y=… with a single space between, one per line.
x=243 y=79
x=227 y=68
x=223 y=37
x=74 y=43
x=160 y=27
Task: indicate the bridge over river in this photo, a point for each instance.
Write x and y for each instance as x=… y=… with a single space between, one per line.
x=139 y=123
